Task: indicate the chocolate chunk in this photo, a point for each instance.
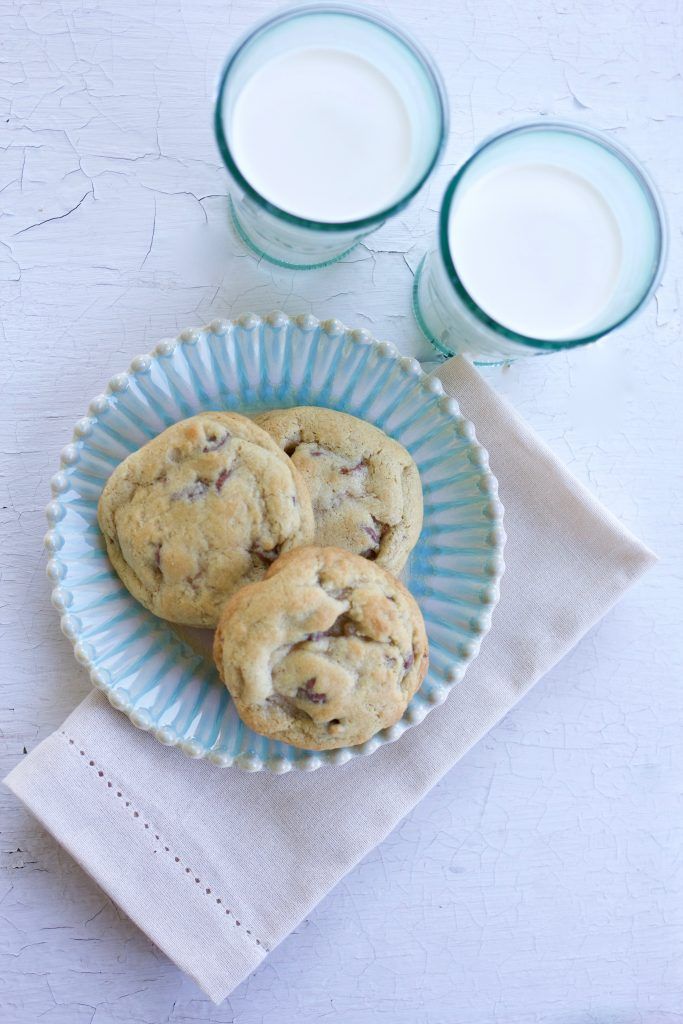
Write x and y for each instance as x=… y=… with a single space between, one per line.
x=342 y=626
x=353 y=469
x=215 y=441
x=376 y=534
x=222 y=477
x=192 y=492
x=372 y=534
x=307 y=692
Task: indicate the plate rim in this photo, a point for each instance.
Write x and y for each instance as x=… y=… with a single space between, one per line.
x=249 y=321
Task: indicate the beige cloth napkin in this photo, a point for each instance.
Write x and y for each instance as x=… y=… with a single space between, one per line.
x=217 y=866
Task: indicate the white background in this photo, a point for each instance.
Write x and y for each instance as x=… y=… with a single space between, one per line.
x=540 y=881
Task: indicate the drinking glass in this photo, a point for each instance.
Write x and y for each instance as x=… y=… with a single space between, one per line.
x=447 y=313
x=294 y=241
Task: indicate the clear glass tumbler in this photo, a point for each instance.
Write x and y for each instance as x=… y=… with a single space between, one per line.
x=294 y=241
x=446 y=311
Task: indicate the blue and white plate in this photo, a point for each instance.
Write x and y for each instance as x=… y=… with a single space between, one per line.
x=248 y=365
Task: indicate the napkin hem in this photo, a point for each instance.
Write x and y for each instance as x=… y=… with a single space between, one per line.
x=172 y=853
x=109 y=848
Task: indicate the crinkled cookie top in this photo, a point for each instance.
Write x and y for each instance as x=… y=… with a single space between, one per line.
x=199 y=511
x=364 y=486
x=324 y=652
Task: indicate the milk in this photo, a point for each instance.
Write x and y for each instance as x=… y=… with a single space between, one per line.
x=323 y=134
x=538 y=249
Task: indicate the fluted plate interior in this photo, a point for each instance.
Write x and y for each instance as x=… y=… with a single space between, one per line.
x=248 y=365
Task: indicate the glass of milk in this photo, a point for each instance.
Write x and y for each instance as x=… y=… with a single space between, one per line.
x=549 y=237
x=329 y=120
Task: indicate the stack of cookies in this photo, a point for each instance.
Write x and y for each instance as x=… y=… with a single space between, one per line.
x=281 y=532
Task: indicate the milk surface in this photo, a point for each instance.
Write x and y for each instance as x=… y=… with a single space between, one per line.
x=538 y=249
x=322 y=134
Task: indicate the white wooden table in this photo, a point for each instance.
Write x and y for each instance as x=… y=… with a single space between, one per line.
x=540 y=881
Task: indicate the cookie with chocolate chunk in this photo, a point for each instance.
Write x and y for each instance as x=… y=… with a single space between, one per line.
x=365 y=487
x=199 y=511
x=324 y=652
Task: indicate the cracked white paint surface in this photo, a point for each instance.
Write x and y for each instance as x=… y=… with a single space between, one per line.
x=540 y=881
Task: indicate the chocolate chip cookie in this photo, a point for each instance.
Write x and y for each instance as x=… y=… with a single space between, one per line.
x=324 y=652
x=200 y=510
x=364 y=486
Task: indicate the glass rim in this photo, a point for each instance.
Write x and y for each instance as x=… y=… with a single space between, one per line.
x=632 y=166
x=401 y=37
